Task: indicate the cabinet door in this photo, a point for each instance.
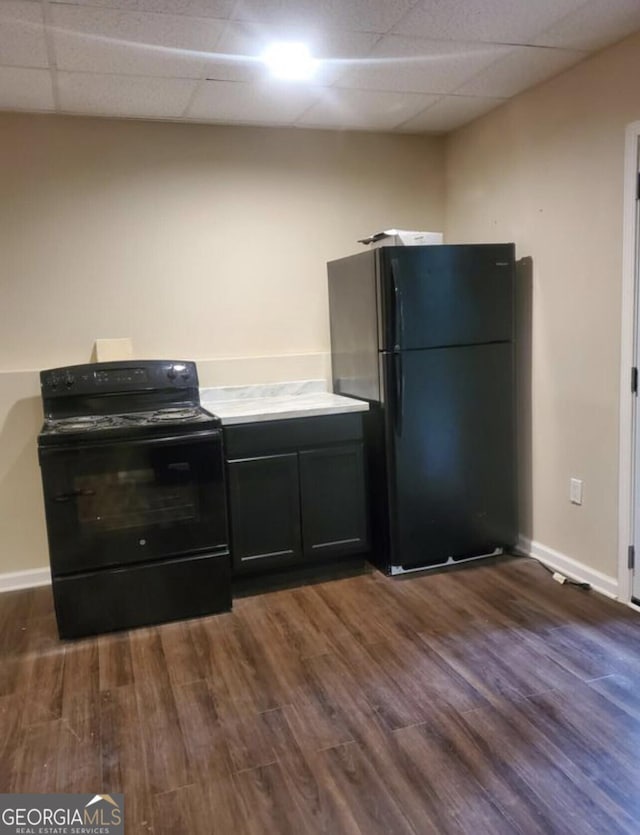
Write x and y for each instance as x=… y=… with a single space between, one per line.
x=334 y=519
x=265 y=511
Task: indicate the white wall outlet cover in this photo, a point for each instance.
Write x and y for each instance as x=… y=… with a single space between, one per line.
x=575 y=490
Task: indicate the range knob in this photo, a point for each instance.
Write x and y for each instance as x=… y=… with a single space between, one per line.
x=53 y=381
x=171 y=373
x=69 y=380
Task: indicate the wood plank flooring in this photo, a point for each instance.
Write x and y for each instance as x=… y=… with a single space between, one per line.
x=485 y=700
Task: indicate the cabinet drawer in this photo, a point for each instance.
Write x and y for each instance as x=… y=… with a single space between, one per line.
x=124 y=598
x=275 y=436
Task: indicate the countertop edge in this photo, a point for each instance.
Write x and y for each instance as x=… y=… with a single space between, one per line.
x=291 y=413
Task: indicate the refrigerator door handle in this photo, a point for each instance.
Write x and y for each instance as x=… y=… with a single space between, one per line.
x=398 y=311
x=399 y=393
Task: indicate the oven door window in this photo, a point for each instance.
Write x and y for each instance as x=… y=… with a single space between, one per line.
x=126 y=499
x=133 y=502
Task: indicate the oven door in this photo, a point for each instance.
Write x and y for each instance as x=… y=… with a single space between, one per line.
x=132 y=501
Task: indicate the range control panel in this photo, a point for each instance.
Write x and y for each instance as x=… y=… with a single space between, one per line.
x=118 y=377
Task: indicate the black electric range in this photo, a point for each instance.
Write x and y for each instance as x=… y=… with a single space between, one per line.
x=134 y=491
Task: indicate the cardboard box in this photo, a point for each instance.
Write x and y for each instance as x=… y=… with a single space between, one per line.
x=111 y=350
x=402 y=237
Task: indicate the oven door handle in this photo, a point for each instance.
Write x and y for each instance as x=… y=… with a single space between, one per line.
x=73 y=494
x=163 y=440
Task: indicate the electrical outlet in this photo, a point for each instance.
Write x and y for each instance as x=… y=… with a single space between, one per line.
x=575 y=490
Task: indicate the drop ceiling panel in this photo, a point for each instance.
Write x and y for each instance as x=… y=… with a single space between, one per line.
x=271 y=103
x=496 y=21
x=112 y=95
x=400 y=64
x=242 y=43
x=523 y=67
x=25 y=89
x=363 y=109
x=594 y=25
x=353 y=15
x=133 y=43
x=199 y=8
x=449 y=113
x=22 y=42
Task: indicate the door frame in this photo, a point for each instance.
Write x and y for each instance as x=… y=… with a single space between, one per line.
x=629 y=357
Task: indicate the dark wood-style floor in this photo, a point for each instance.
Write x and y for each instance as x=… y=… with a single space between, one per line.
x=486 y=700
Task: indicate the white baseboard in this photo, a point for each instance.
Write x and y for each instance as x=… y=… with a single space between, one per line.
x=603 y=583
x=14 y=580
x=571 y=568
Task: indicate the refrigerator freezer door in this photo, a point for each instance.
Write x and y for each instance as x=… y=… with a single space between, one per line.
x=437 y=296
x=450 y=438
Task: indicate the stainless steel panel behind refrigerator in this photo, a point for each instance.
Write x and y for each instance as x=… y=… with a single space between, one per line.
x=426 y=334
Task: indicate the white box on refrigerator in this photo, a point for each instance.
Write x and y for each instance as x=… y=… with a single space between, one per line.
x=402 y=237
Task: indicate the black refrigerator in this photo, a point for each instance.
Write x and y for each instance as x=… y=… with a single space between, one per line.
x=426 y=335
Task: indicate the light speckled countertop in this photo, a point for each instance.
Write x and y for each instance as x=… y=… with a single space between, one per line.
x=276 y=401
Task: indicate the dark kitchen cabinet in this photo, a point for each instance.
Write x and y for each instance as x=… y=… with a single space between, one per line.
x=333 y=502
x=265 y=510
x=296 y=491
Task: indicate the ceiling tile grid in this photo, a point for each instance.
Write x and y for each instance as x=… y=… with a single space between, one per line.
x=354 y=15
x=487 y=21
x=593 y=26
x=266 y=103
x=523 y=67
x=24 y=88
x=132 y=43
x=199 y=8
x=363 y=109
x=396 y=65
x=22 y=40
x=449 y=112
x=111 y=95
x=417 y=65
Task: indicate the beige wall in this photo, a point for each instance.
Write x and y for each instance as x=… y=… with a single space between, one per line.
x=196 y=241
x=210 y=243
x=545 y=171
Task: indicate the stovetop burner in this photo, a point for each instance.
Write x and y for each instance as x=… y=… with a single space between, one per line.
x=81 y=422
x=127 y=424
x=168 y=415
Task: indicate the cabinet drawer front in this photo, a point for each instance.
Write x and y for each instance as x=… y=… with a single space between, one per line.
x=334 y=517
x=124 y=598
x=287 y=435
x=265 y=511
